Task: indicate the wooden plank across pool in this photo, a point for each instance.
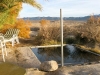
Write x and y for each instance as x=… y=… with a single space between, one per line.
x=47 y=46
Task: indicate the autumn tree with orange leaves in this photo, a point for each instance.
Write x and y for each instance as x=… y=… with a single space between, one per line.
x=20 y=24
x=9 y=10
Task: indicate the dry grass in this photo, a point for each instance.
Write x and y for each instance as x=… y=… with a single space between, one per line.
x=96 y=50
x=23 y=43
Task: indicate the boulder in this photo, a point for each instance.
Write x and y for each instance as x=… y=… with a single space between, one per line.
x=49 y=66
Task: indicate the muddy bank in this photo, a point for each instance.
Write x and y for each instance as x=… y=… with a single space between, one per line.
x=11 y=69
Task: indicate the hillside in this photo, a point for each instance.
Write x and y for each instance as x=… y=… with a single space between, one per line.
x=57 y=18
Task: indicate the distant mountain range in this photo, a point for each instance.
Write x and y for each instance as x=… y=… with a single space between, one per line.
x=58 y=18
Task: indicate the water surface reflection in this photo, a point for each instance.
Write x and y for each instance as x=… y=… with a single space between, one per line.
x=71 y=55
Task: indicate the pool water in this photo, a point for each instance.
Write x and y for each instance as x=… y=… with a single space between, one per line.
x=71 y=55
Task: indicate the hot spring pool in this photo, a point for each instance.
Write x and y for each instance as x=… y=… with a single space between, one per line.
x=71 y=55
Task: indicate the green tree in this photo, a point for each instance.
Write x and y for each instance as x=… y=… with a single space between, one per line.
x=9 y=10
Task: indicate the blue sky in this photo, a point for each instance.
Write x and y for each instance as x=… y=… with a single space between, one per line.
x=70 y=8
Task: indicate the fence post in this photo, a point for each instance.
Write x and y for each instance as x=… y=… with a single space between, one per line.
x=61 y=24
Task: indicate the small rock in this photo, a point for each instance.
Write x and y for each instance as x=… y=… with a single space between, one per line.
x=49 y=66
x=34 y=71
x=61 y=71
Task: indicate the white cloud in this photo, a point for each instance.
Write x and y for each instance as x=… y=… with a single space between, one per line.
x=69 y=7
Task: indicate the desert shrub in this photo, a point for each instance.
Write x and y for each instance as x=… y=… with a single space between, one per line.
x=93 y=20
x=44 y=22
x=87 y=34
x=22 y=25
x=91 y=29
x=50 y=33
